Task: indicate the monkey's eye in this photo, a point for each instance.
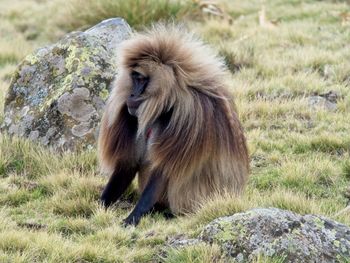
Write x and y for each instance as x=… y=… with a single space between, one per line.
x=139 y=78
x=140 y=83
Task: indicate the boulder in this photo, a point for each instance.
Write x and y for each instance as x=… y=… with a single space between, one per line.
x=58 y=93
x=273 y=232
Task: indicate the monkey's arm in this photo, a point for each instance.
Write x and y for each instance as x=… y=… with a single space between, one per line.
x=149 y=197
x=119 y=181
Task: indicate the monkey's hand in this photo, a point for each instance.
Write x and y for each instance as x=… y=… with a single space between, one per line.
x=131 y=220
x=105 y=201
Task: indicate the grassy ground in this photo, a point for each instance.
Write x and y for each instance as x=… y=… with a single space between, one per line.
x=49 y=207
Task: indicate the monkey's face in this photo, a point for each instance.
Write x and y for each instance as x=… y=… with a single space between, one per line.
x=139 y=85
x=150 y=86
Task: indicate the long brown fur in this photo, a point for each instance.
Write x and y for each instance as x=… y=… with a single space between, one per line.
x=202 y=151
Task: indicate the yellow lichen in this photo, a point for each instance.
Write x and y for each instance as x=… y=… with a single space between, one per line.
x=104 y=94
x=32 y=59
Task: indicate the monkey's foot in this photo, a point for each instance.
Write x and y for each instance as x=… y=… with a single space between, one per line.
x=131 y=220
x=105 y=202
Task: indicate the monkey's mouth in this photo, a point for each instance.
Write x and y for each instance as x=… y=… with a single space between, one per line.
x=133 y=105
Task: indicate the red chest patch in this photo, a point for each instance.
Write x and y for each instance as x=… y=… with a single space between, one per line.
x=148 y=133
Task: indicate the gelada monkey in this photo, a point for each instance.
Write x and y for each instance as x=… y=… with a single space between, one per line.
x=171 y=121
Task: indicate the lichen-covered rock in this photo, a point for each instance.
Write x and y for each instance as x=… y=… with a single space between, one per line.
x=57 y=94
x=279 y=233
x=318 y=102
x=327 y=101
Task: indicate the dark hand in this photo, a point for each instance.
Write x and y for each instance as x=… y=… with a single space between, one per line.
x=131 y=220
x=105 y=201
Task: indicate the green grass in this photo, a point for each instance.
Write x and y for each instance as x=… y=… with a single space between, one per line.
x=299 y=156
x=194 y=254
x=139 y=13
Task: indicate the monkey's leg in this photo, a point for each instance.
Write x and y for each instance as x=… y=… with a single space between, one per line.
x=118 y=183
x=149 y=197
x=164 y=210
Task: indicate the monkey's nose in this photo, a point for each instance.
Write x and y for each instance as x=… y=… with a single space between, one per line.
x=133 y=103
x=132 y=111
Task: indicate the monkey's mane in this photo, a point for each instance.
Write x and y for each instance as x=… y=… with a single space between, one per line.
x=194 y=64
x=203 y=115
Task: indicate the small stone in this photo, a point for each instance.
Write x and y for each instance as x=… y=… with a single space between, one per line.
x=331 y=96
x=318 y=102
x=183 y=242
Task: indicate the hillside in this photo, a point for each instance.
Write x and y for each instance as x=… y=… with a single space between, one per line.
x=282 y=54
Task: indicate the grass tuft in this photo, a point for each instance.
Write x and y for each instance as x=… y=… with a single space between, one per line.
x=194 y=254
x=346 y=169
x=83 y=14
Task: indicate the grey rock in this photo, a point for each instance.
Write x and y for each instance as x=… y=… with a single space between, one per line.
x=326 y=101
x=180 y=241
x=58 y=93
x=76 y=105
x=273 y=232
x=112 y=40
x=34 y=135
x=331 y=96
x=82 y=129
x=281 y=233
x=318 y=102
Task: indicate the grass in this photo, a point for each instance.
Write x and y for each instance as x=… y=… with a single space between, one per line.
x=82 y=14
x=299 y=156
x=194 y=254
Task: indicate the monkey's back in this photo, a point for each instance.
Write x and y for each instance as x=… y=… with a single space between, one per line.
x=223 y=173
